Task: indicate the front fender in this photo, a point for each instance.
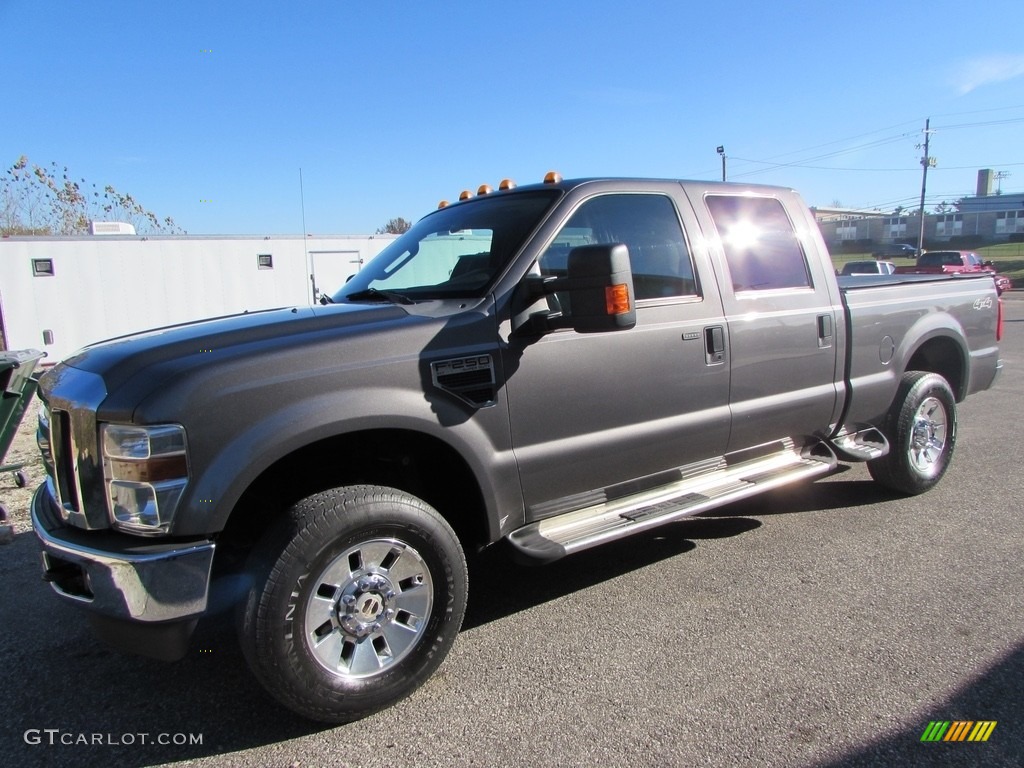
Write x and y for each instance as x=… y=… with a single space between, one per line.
x=231 y=465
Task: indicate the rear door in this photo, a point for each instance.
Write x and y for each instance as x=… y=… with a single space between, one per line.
x=780 y=312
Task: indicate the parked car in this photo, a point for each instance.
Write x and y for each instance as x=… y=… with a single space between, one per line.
x=868 y=268
x=896 y=249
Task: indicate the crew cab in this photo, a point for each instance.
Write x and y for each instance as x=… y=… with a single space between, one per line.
x=955 y=262
x=547 y=367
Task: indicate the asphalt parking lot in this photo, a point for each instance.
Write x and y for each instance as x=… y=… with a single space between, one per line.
x=825 y=625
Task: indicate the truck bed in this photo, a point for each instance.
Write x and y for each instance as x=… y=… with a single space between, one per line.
x=885 y=323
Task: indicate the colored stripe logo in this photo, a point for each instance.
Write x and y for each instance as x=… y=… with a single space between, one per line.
x=958 y=730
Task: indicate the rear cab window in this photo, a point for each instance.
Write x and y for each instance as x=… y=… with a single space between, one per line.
x=761 y=246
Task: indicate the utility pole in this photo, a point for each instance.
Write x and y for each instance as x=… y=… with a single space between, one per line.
x=721 y=151
x=1000 y=175
x=926 y=162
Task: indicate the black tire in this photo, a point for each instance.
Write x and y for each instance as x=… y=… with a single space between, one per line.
x=921 y=429
x=357 y=596
x=19 y=479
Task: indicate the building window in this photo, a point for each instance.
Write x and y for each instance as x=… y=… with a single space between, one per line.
x=846 y=231
x=42 y=267
x=264 y=261
x=1009 y=222
x=761 y=246
x=896 y=226
x=949 y=225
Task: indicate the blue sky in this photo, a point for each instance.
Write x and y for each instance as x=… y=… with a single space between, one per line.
x=388 y=107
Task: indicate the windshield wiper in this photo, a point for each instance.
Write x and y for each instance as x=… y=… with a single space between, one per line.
x=373 y=294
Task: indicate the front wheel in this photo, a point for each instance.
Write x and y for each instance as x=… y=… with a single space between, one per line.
x=357 y=596
x=921 y=429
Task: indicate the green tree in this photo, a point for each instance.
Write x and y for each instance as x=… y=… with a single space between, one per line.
x=395 y=227
x=35 y=200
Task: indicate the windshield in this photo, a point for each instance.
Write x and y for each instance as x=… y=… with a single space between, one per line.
x=455 y=252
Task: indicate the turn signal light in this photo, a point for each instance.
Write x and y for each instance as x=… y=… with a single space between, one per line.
x=616 y=299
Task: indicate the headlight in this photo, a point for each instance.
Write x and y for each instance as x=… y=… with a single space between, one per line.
x=145 y=471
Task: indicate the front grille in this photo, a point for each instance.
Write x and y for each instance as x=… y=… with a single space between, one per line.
x=43 y=440
x=62 y=449
x=73 y=398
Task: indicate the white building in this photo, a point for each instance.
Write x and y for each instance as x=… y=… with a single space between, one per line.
x=58 y=294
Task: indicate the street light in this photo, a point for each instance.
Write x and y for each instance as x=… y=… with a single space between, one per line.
x=721 y=151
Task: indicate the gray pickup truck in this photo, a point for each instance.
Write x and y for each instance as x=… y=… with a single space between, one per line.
x=553 y=366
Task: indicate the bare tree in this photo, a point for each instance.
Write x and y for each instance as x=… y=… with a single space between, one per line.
x=38 y=201
x=395 y=227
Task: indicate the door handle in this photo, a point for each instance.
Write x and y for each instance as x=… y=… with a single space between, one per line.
x=714 y=344
x=824 y=331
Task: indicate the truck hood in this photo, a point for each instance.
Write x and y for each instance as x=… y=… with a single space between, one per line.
x=122 y=359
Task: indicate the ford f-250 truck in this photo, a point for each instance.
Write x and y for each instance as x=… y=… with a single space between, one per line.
x=554 y=366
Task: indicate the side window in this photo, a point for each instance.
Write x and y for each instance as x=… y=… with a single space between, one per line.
x=647 y=225
x=760 y=244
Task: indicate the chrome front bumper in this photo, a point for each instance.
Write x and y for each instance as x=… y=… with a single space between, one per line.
x=120 y=577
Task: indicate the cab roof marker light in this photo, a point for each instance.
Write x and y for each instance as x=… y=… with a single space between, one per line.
x=506 y=184
x=484 y=189
x=465 y=194
x=552 y=177
x=442 y=204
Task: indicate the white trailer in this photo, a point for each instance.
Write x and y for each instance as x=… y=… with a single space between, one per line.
x=58 y=294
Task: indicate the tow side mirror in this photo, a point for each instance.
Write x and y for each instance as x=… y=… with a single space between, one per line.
x=599 y=283
x=601 y=288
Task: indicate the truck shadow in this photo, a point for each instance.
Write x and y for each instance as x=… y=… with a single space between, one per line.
x=494 y=571
x=501 y=586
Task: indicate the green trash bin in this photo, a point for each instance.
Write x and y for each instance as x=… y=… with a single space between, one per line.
x=18 y=382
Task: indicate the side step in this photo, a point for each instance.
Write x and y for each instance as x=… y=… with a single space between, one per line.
x=865 y=444
x=556 y=537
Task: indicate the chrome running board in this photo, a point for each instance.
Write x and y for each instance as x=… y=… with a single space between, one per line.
x=723 y=482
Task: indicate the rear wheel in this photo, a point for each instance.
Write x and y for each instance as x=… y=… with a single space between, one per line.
x=921 y=429
x=357 y=597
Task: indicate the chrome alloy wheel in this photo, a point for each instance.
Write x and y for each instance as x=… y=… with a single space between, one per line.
x=928 y=437
x=368 y=608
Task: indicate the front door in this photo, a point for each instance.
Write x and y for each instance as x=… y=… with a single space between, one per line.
x=599 y=414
